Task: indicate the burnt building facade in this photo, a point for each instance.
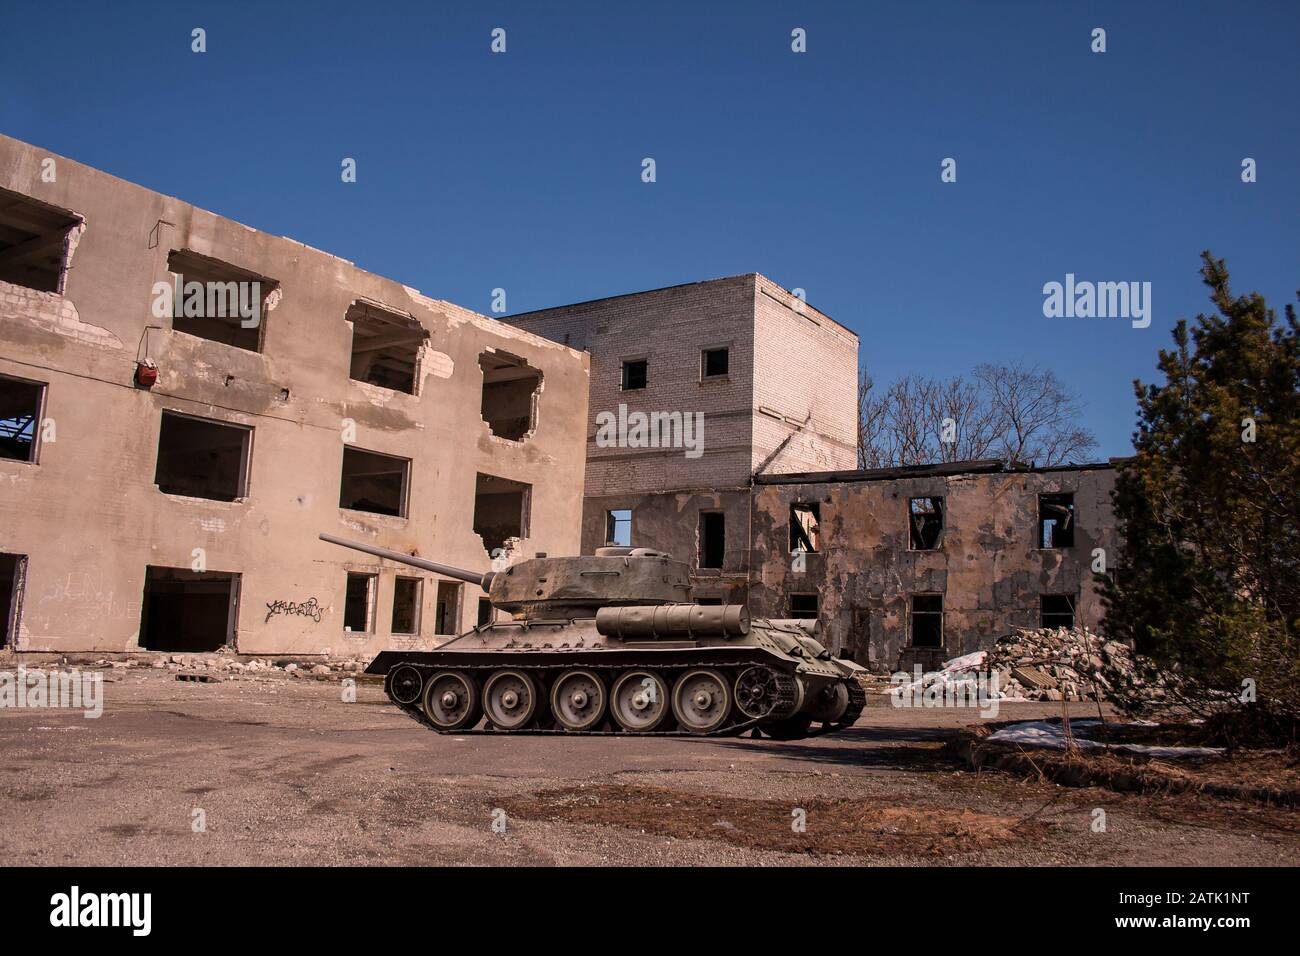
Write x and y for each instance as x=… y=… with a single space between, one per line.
x=913 y=566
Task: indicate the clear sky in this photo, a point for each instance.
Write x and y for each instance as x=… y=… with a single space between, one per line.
x=821 y=170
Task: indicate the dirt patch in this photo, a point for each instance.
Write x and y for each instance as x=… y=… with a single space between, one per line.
x=1269 y=777
x=832 y=827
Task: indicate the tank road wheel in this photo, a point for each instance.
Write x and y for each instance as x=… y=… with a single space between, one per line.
x=639 y=701
x=578 y=700
x=829 y=703
x=405 y=684
x=510 y=699
x=451 y=700
x=756 y=691
x=701 y=701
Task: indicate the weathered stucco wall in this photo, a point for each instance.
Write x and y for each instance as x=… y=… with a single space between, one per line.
x=88 y=514
x=989 y=568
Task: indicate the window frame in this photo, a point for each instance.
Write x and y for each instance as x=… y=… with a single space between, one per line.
x=418 y=607
x=789 y=605
x=623 y=374
x=704 y=363
x=1039 y=544
x=43 y=397
x=404 y=510
x=372 y=593
x=814 y=539
x=700 y=539
x=912 y=612
x=245 y=480
x=1073 y=601
x=943 y=522
x=611 y=523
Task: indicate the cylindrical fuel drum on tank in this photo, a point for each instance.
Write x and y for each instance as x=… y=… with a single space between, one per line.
x=673 y=620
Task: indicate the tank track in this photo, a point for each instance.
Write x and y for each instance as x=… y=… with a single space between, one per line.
x=785 y=702
x=857 y=701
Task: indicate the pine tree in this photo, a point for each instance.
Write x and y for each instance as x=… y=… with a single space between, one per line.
x=1209 y=508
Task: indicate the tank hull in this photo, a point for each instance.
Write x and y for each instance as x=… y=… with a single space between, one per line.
x=611 y=643
x=802 y=696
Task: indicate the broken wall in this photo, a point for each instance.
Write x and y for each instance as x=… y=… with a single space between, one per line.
x=88 y=514
x=988 y=568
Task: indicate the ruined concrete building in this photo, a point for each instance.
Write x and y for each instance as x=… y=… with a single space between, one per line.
x=916 y=565
x=773 y=381
x=185 y=403
x=901 y=566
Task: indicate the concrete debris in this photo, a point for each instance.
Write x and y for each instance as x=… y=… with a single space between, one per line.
x=1054 y=664
x=1074 y=664
x=209 y=668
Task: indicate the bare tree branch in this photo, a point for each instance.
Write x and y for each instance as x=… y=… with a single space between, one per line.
x=1014 y=412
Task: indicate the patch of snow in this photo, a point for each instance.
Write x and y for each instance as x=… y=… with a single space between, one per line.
x=1042 y=733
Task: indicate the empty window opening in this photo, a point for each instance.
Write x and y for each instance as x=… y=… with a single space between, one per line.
x=373 y=482
x=34 y=242
x=927 y=620
x=20 y=416
x=188 y=611
x=448 y=609
x=805 y=528
x=510 y=390
x=714 y=363
x=713 y=539
x=13 y=572
x=635 y=374
x=218 y=301
x=618 y=527
x=926 y=518
x=202 y=458
x=359 y=603
x=500 y=511
x=406 y=605
x=1056 y=610
x=486 y=613
x=1056 y=521
x=385 y=346
x=806 y=606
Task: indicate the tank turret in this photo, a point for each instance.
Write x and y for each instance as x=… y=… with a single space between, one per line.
x=565 y=587
x=612 y=643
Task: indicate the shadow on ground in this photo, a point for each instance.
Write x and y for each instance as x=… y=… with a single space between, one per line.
x=894 y=748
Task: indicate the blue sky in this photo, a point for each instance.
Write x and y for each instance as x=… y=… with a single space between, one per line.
x=821 y=170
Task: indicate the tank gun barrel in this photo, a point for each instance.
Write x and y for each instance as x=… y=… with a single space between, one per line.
x=482 y=579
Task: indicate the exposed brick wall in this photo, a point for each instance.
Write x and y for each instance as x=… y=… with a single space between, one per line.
x=805 y=371
x=669 y=328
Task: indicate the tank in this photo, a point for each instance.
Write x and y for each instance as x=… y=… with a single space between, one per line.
x=611 y=643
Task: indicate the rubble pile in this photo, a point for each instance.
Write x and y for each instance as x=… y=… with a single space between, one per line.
x=1073 y=664
x=1046 y=665
x=224 y=664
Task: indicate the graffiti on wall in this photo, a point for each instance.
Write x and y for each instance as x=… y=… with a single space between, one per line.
x=308 y=608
